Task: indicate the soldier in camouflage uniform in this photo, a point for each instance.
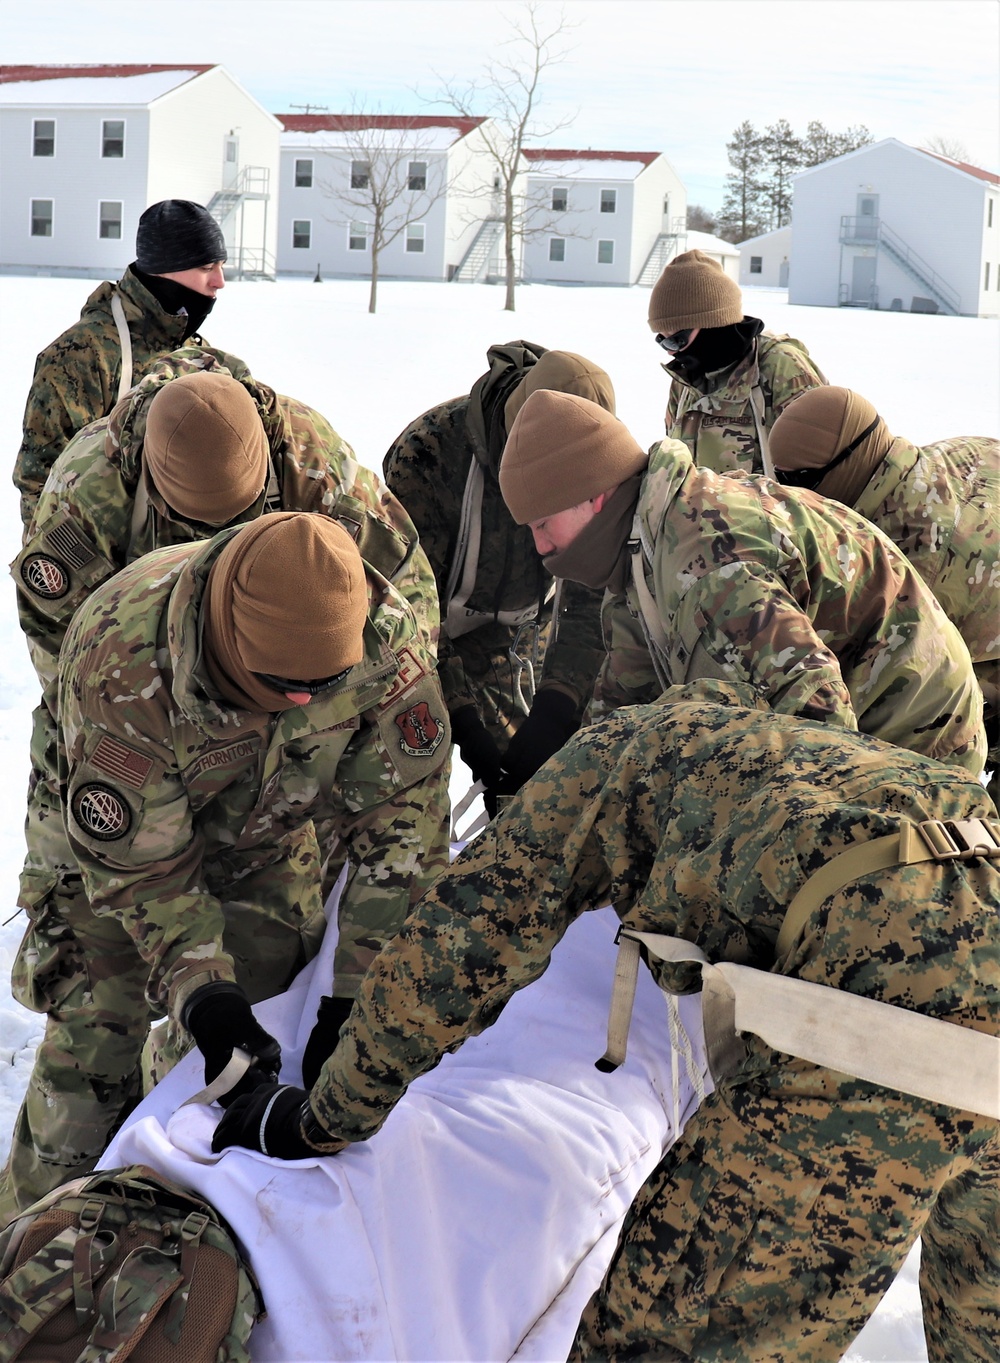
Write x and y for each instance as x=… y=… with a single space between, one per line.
x=241 y=450
x=739 y=578
x=192 y=775
x=940 y=504
x=730 y=379
x=161 y=300
x=497 y=599
x=778 y=1219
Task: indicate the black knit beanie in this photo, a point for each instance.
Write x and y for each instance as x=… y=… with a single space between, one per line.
x=177 y=234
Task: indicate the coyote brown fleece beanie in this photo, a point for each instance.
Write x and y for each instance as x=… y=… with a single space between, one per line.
x=205 y=447
x=821 y=425
x=694 y=291
x=287 y=596
x=564 y=372
x=561 y=451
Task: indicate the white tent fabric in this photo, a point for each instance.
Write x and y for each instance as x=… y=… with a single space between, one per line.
x=477 y=1223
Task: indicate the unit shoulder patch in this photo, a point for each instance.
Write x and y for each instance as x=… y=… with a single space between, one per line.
x=420 y=730
x=101 y=812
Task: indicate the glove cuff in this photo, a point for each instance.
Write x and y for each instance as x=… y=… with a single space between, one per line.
x=206 y=993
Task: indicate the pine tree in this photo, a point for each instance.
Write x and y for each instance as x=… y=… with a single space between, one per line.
x=783 y=156
x=742 y=214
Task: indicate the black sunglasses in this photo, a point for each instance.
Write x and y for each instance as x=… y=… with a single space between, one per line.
x=313 y=688
x=677 y=341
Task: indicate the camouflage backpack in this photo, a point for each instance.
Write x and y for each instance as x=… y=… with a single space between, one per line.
x=123 y=1265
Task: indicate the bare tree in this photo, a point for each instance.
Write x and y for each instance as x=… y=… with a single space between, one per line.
x=947 y=146
x=392 y=180
x=508 y=94
x=700 y=220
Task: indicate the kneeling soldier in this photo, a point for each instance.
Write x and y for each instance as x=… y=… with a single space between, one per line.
x=193 y=769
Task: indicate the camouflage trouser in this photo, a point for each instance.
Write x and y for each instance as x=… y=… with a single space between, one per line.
x=387 y=873
x=773 y=1227
x=493 y=677
x=84 y=972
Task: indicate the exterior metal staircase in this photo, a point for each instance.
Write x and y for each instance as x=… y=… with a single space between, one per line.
x=252 y=184
x=665 y=247
x=862 y=231
x=476 y=261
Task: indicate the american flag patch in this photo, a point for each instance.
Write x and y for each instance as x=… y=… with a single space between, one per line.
x=70 y=541
x=410 y=672
x=118 y=760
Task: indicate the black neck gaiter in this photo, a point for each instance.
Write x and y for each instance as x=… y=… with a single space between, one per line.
x=174 y=297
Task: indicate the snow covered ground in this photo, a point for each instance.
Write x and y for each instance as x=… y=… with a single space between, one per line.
x=930 y=377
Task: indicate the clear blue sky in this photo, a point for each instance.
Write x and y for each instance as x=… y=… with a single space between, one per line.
x=665 y=75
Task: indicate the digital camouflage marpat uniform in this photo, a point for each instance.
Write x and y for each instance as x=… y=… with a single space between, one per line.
x=718 y=427
x=940 y=504
x=427 y=467
x=76 y=377
x=97 y=513
x=776 y=1222
x=185 y=818
x=798 y=596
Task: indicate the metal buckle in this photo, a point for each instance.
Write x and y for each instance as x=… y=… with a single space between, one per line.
x=525 y=663
x=961 y=839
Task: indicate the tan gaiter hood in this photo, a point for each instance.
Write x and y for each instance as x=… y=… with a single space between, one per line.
x=815 y=430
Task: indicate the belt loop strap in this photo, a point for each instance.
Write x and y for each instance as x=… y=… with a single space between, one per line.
x=622 y=999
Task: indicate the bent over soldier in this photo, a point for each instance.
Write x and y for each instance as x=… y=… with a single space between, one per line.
x=939 y=503
x=773 y=1226
x=742 y=579
x=729 y=378
x=501 y=610
x=193 y=770
x=160 y=301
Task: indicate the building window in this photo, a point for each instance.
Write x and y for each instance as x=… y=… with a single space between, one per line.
x=113 y=138
x=301 y=234
x=605 y=253
x=557 y=248
x=415 y=237
x=986 y=281
x=609 y=201
x=360 y=174
x=111 y=220
x=303 y=174
x=559 y=199
x=357 y=238
x=41 y=217
x=43 y=142
x=417 y=175
x=756 y=264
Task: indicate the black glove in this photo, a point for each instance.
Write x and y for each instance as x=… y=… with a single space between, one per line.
x=269 y=1120
x=546 y=727
x=330 y=1018
x=219 y=1017
x=477 y=745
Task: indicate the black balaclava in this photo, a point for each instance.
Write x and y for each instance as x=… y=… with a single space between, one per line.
x=715 y=349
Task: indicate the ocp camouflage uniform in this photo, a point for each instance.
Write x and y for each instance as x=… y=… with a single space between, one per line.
x=776 y=1222
x=718 y=426
x=799 y=597
x=186 y=817
x=427 y=467
x=76 y=377
x=940 y=504
x=99 y=511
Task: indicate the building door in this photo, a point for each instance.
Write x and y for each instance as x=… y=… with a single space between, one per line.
x=863 y=280
x=783 y=275
x=230 y=161
x=867 y=224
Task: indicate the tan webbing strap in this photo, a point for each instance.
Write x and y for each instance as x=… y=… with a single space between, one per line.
x=757 y=407
x=932 y=840
x=125 y=340
x=879 y=1043
x=239 y=1063
x=462 y=575
x=622 y=1000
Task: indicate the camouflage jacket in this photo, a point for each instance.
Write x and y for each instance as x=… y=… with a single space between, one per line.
x=699 y=817
x=98 y=511
x=172 y=798
x=941 y=506
x=796 y=595
x=76 y=377
x=718 y=427
x=427 y=467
